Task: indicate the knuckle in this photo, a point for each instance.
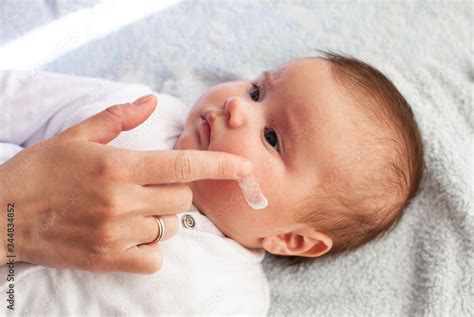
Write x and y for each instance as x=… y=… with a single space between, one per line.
x=116 y=110
x=109 y=207
x=105 y=239
x=116 y=113
x=136 y=166
x=104 y=214
x=184 y=167
x=104 y=167
x=223 y=166
x=109 y=166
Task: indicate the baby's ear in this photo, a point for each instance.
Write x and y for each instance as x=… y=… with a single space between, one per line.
x=305 y=241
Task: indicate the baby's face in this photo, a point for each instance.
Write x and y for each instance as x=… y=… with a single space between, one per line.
x=288 y=122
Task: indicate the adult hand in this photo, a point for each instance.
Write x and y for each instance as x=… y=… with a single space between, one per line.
x=78 y=203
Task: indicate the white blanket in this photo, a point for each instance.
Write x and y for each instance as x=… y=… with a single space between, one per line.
x=425 y=266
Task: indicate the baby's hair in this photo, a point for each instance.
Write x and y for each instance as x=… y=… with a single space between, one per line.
x=354 y=215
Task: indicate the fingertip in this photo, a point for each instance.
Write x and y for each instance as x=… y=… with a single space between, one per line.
x=229 y=165
x=145 y=99
x=244 y=168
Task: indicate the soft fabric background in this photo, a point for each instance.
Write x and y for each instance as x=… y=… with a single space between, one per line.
x=425 y=265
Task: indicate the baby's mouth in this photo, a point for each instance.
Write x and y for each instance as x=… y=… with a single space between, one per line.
x=205 y=132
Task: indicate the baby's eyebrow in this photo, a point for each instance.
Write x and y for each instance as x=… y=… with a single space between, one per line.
x=268 y=79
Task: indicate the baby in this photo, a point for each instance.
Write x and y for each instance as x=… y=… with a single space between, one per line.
x=336 y=152
x=335 y=148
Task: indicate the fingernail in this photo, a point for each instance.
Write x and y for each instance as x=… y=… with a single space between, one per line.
x=245 y=167
x=143 y=100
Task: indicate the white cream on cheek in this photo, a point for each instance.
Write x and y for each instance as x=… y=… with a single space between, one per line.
x=252 y=193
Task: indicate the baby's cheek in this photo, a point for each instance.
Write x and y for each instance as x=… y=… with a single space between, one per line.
x=221 y=198
x=229 y=197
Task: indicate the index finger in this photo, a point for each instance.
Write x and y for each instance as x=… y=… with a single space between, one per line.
x=183 y=166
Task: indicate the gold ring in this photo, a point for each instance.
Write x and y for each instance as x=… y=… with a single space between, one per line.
x=161 y=229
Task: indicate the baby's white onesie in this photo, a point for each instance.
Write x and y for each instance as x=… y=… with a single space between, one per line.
x=203 y=271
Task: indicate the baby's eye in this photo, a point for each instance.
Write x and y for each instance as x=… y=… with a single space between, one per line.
x=271 y=138
x=254 y=92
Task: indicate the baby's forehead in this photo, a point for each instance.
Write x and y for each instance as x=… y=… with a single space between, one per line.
x=306 y=83
x=302 y=68
x=322 y=119
x=307 y=86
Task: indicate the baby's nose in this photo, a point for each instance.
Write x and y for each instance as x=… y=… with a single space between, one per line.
x=236 y=108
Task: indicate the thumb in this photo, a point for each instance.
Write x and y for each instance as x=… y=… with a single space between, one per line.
x=108 y=124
